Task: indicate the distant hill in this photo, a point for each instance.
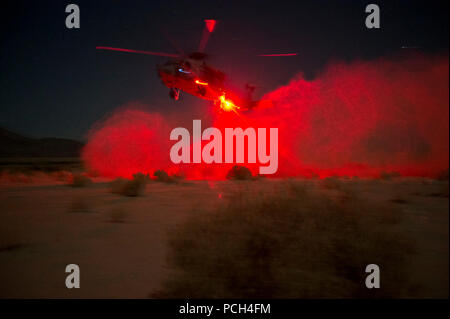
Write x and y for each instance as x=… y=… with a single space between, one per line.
x=16 y=145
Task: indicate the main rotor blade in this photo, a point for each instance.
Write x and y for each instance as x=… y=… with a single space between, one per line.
x=279 y=54
x=171 y=41
x=171 y=55
x=209 y=28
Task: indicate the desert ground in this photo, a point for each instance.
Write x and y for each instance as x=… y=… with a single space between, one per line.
x=294 y=238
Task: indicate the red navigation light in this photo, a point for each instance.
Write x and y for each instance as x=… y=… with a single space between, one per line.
x=200 y=82
x=210 y=24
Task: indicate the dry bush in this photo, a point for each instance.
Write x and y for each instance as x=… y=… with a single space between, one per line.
x=239 y=172
x=331 y=183
x=131 y=188
x=444 y=191
x=296 y=244
x=400 y=200
x=62 y=176
x=389 y=175
x=161 y=176
x=443 y=176
x=15 y=177
x=178 y=177
x=144 y=178
x=12 y=247
x=441 y=191
x=80 y=180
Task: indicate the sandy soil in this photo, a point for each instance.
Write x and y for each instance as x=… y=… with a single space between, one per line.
x=120 y=242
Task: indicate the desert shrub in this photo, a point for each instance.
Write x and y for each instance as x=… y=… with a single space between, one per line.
x=4 y=247
x=400 y=200
x=442 y=176
x=389 y=175
x=295 y=244
x=331 y=182
x=62 y=176
x=143 y=178
x=161 y=176
x=240 y=173
x=441 y=191
x=19 y=178
x=178 y=177
x=132 y=188
x=445 y=191
x=259 y=177
x=80 y=180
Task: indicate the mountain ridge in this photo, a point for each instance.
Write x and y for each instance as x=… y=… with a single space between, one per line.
x=16 y=145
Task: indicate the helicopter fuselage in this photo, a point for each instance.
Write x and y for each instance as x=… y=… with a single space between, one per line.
x=194 y=77
x=191 y=74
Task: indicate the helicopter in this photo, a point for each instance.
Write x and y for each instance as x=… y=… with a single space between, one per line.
x=191 y=73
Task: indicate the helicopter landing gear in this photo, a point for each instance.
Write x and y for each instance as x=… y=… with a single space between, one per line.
x=174 y=93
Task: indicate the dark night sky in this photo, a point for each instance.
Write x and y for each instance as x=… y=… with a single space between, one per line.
x=54 y=82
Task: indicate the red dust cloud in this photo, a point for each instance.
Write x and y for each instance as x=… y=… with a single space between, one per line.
x=357 y=119
x=129 y=141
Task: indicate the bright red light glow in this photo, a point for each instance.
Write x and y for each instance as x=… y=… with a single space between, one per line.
x=227 y=105
x=210 y=24
x=201 y=83
x=354 y=119
x=209 y=28
x=127 y=142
